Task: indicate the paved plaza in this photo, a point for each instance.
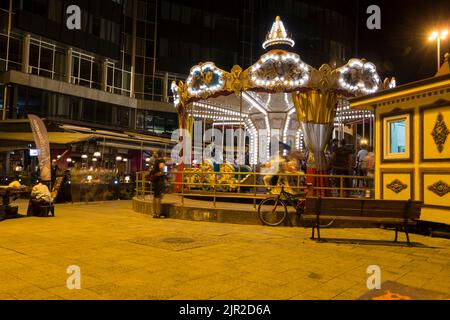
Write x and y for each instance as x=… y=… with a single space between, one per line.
x=126 y=255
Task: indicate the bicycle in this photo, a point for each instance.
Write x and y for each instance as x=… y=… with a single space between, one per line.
x=273 y=211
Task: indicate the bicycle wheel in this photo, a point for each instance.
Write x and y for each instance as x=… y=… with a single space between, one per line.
x=272 y=211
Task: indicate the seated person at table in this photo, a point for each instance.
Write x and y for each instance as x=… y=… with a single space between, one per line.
x=40 y=196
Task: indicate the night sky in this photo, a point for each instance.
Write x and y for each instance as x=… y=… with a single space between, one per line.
x=401 y=48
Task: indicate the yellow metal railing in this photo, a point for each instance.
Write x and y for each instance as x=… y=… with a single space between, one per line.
x=250 y=185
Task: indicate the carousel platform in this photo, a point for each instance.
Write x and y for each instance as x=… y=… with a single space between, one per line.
x=223 y=210
x=174 y=207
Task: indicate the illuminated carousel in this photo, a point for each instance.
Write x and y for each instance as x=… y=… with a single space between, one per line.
x=279 y=98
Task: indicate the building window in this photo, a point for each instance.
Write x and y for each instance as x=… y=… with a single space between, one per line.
x=186 y=15
x=163 y=47
x=55 y=10
x=175 y=16
x=118 y=80
x=165 y=10
x=86 y=70
x=397 y=134
x=397 y=137
x=11 y=59
x=46 y=59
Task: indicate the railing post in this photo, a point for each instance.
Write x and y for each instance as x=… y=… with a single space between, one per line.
x=254 y=190
x=214 y=204
x=182 y=188
x=143 y=185
x=341 y=186
x=137 y=185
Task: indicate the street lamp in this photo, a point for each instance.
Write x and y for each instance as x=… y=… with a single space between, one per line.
x=438 y=36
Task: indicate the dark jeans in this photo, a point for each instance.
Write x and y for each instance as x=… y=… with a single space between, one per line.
x=34 y=207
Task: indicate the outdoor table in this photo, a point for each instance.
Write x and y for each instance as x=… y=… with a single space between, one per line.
x=7 y=192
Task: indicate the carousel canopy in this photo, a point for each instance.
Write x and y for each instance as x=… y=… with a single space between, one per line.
x=278 y=92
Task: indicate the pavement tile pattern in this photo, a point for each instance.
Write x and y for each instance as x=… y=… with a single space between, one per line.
x=126 y=255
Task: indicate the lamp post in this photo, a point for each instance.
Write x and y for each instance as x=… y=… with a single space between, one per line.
x=438 y=36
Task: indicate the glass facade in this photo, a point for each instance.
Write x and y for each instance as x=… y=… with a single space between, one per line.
x=194 y=31
x=136 y=48
x=64 y=107
x=100 y=24
x=156 y=122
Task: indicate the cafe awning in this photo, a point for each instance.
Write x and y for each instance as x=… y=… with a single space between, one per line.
x=54 y=137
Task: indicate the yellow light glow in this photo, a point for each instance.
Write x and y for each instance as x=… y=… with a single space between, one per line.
x=433 y=36
x=438 y=34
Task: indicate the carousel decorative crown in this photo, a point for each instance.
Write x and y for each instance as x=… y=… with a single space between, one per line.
x=278 y=35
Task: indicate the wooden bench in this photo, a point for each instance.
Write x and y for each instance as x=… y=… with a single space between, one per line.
x=398 y=214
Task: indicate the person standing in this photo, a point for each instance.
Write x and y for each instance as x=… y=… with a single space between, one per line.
x=341 y=163
x=152 y=160
x=158 y=177
x=360 y=170
x=368 y=165
x=360 y=158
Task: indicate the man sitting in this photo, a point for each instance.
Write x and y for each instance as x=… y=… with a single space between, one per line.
x=40 y=196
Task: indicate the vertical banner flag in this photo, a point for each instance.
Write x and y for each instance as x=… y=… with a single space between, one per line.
x=40 y=136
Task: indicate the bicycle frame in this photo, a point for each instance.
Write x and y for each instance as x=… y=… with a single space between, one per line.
x=292 y=200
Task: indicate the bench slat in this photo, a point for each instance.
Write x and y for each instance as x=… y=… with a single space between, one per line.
x=336 y=211
x=363 y=219
x=369 y=209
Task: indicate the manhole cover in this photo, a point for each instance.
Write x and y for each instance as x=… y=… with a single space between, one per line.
x=313 y=275
x=177 y=240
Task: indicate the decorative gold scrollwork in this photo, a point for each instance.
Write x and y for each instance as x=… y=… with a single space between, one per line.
x=397 y=186
x=440 y=188
x=440 y=132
